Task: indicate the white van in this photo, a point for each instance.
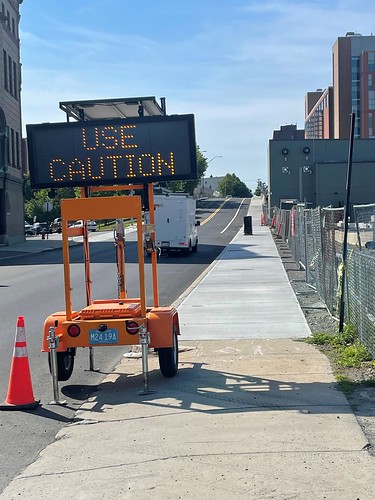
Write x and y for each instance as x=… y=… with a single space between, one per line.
x=175 y=224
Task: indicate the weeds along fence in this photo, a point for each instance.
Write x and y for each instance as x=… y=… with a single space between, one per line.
x=315 y=238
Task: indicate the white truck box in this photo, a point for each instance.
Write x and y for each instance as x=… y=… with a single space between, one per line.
x=175 y=224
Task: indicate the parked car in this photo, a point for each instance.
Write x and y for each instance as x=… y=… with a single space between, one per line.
x=91 y=224
x=29 y=230
x=55 y=226
x=41 y=227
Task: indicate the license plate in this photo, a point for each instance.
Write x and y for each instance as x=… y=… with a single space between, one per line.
x=109 y=336
x=165 y=243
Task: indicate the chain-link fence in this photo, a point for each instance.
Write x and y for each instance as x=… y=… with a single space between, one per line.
x=315 y=237
x=364 y=216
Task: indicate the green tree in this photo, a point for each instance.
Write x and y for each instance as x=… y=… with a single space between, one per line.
x=261 y=188
x=188 y=186
x=231 y=185
x=36 y=198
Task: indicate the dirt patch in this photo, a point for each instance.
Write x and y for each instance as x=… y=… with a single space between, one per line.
x=358 y=383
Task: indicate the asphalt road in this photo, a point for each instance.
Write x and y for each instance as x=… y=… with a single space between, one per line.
x=32 y=286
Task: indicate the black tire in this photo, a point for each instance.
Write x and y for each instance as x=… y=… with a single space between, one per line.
x=195 y=247
x=168 y=358
x=188 y=250
x=65 y=364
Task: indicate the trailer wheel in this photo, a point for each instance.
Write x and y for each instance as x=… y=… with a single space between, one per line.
x=65 y=364
x=168 y=358
x=195 y=247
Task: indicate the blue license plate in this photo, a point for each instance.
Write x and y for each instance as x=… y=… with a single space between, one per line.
x=109 y=336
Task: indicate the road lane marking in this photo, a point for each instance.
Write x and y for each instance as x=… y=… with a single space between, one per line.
x=213 y=213
x=235 y=215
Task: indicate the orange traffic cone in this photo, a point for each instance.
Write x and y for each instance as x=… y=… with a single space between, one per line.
x=20 y=392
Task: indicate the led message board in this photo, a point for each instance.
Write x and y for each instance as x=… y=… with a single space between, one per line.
x=112 y=152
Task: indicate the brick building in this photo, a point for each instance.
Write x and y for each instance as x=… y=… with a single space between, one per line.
x=327 y=113
x=11 y=179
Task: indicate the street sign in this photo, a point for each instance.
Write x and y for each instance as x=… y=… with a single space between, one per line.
x=112 y=152
x=47 y=206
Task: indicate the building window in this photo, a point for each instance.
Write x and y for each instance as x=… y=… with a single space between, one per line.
x=13 y=159
x=15 y=81
x=371 y=61
x=355 y=94
x=371 y=99
x=7 y=147
x=13 y=26
x=10 y=86
x=5 y=57
x=18 y=150
x=11 y=80
x=355 y=69
x=370 y=125
x=369 y=82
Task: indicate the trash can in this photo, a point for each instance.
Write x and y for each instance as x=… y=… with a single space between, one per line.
x=248 y=225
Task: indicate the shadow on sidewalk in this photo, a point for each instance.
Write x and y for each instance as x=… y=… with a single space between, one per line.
x=199 y=389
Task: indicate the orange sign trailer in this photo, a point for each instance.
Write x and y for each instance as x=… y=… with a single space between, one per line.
x=121 y=321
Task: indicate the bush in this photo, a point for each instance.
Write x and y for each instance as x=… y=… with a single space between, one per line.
x=320 y=339
x=347 y=337
x=353 y=355
x=347 y=350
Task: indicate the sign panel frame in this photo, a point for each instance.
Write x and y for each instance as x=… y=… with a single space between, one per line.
x=112 y=152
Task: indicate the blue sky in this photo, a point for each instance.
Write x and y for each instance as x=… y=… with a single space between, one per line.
x=242 y=67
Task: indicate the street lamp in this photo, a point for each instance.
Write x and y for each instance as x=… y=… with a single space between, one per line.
x=217 y=156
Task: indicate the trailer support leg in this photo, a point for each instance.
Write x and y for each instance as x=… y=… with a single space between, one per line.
x=53 y=343
x=91 y=361
x=144 y=338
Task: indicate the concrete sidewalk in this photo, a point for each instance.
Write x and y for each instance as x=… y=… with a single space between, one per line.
x=253 y=413
x=246 y=295
x=32 y=244
x=35 y=244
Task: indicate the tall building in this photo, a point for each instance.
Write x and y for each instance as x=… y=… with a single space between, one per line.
x=354 y=85
x=319 y=114
x=11 y=180
x=353 y=90
x=311 y=171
